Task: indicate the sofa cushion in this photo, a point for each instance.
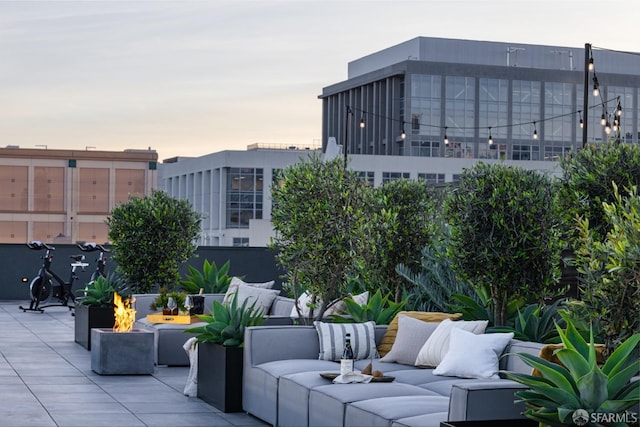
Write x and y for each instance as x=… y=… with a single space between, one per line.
x=264 y=297
x=235 y=282
x=437 y=345
x=390 y=334
x=473 y=356
x=411 y=336
x=332 y=336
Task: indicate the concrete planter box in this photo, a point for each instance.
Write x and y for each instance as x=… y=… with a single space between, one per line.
x=88 y=317
x=121 y=353
x=220 y=376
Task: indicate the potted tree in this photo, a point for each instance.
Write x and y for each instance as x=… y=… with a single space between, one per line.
x=220 y=352
x=95 y=308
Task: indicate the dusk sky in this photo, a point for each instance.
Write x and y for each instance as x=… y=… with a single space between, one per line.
x=188 y=78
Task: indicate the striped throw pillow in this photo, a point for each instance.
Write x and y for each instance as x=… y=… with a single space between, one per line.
x=332 y=336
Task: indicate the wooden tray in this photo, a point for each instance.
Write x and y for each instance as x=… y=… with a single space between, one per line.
x=333 y=375
x=175 y=319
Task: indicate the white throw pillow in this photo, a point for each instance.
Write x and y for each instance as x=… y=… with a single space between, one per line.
x=473 y=356
x=437 y=345
x=411 y=336
x=332 y=336
x=235 y=281
x=264 y=297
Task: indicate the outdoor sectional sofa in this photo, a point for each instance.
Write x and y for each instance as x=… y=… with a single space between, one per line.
x=169 y=338
x=282 y=386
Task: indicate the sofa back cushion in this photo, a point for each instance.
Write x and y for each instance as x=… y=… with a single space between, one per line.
x=332 y=337
x=385 y=344
x=434 y=350
x=411 y=336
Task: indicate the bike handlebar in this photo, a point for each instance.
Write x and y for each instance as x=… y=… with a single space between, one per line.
x=92 y=246
x=38 y=245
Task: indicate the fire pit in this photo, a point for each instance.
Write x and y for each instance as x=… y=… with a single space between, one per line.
x=122 y=350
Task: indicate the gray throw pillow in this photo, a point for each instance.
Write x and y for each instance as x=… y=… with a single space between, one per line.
x=412 y=334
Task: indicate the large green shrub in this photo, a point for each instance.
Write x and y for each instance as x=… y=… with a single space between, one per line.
x=404 y=215
x=151 y=237
x=586 y=180
x=504 y=233
x=321 y=217
x=610 y=267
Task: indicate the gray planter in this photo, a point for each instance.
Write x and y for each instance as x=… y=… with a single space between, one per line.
x=88 y=317
x=220 y=376
x=121 y=353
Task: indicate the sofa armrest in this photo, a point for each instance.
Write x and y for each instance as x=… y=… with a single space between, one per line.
x=491 y=400
x=282 y=306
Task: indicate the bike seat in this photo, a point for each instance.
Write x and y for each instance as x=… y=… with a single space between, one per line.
x=76 y=258
x=92 y=246
x=37 y=245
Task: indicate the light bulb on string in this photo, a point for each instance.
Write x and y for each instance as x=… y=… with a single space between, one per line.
x=581 y=121
x=591 y=66
x=446 y=140
x=607 y=128
x=603 y=119
x=535 y=131
x=490 y=137
x=362 y=123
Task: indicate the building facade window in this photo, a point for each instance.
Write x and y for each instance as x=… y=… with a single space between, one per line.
x=241 y=241
x=393 y=176
x=432 y=178
x=425 y=104
x=558 y=106
x=525 y=103
x=244 y=196
x=460 y=106
x=525 y=152
x=367 y=177
x=425 y=148
x=493 y=107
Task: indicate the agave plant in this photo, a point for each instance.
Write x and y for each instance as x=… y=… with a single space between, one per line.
x=226 y=323
x=212 y=279
x=99 y=293
x=379 y=309
x=535 y=322
x=579 y=383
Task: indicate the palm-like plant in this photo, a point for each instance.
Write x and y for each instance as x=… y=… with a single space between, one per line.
x=226 y=323
x=212 y=279
x=579 y=383
x=380 y=309
x=535 y=322
x=99 y=293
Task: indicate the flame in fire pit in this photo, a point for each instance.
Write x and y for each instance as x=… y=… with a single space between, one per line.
x=124 y=314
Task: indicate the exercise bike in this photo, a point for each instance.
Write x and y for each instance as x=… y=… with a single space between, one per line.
x=41 y=287
x=101 y=261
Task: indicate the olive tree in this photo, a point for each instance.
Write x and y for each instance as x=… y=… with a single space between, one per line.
x=504 y=233
x=321 y=219
x=151 y=237
x=404 y=216
x=610 y=267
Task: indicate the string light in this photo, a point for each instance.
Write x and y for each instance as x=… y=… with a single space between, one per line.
x=581 y=121
x=362 y=123
x=591 y=63
x=535 y=131
x=490 y=137
x=403 y=135
x=446 y=140
x=603 y=119
x=596 y=86
x=607 y=128
x=619 y=108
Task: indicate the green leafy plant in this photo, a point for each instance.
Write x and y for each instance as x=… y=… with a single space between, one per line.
x=99 y=293
x=480 y=306
x=211 y=279
x=403 y=214
x=535 y=322
x=505 y=234
x=160 y=302
x=380 y=309
x=151 y=237
x=579 y=383
x=434 y=283
x=610 y=267
x=322 y=222
x=226 y=323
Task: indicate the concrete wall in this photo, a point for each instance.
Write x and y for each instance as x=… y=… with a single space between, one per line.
x=18 y=261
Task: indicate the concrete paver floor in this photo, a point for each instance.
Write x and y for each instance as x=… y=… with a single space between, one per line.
x=46 y=380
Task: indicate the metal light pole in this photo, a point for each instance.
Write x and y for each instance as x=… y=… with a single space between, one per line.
x=346 y=135
x=585 y=101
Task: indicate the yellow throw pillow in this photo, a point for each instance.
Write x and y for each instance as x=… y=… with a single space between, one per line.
x=389 y=336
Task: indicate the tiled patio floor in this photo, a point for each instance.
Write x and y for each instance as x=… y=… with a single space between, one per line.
x=46 y=380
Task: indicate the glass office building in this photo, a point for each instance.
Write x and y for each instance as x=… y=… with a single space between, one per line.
x=445 y=98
